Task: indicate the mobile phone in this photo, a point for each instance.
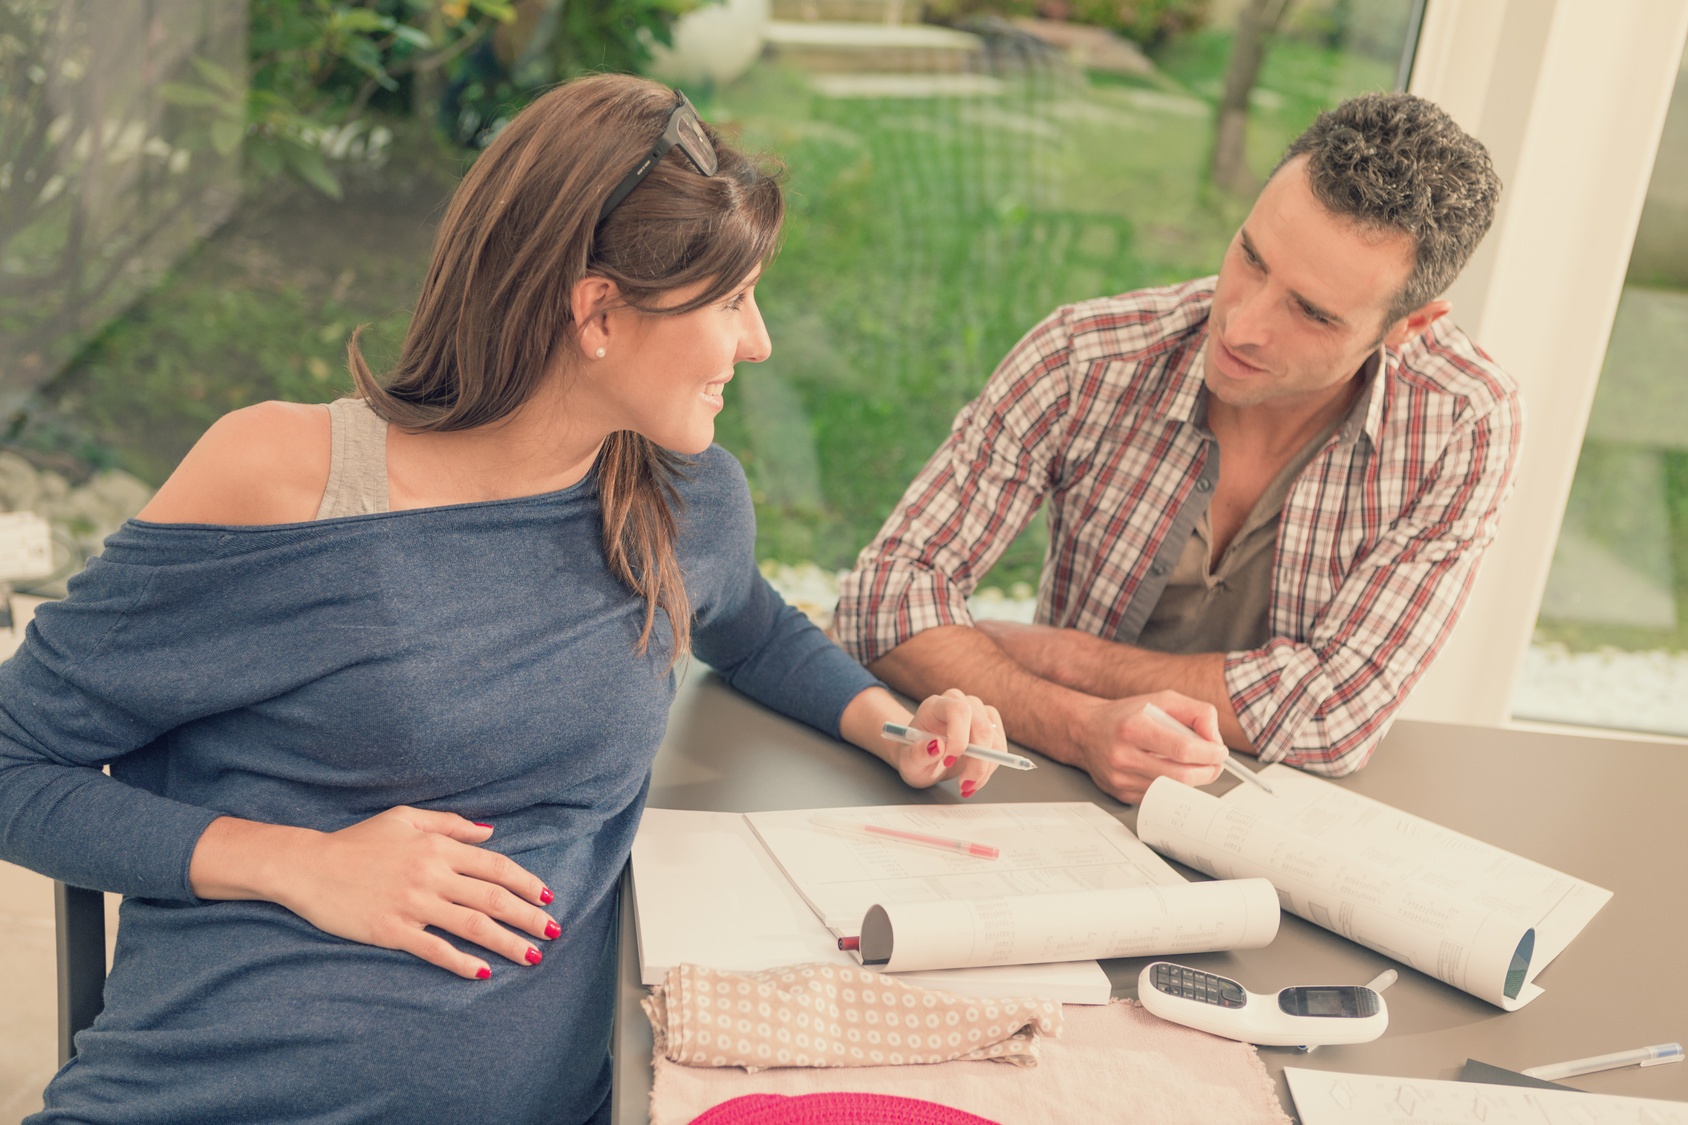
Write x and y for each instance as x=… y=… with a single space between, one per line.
x=1303 y=1016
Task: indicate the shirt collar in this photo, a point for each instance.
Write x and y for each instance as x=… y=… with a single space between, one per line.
x=1188 y=401
x=1366 y=415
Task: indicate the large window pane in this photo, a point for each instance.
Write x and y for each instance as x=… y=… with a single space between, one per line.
x=941 y=210
x=1611 y=641
x=949 y=186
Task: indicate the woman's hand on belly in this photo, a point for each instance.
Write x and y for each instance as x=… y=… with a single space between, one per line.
x=382 y=882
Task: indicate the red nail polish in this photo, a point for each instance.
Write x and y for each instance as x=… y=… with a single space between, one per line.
x=483 y=973
x=932 y=748
x=966 y=788
x=478 y=824
x=533 y=956
x=552 y=930
x=949 y=761
x=545 y=895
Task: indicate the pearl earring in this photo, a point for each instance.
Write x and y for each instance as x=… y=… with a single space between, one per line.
x=599 y=353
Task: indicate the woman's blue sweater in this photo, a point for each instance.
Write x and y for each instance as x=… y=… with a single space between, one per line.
x=479 y=659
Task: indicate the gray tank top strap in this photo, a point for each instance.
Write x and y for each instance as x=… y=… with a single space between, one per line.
x=357 y=463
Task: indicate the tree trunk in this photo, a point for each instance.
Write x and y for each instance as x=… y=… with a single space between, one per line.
x=1255 y=28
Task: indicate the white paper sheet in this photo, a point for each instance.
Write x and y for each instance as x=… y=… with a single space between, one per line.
x=1326 y=1097
x=706 y=892
x=1046 y=847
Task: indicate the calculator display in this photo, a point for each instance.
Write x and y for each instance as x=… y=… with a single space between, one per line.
x=1344 y=1001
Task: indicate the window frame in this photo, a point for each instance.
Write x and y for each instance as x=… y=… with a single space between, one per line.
x=1570 y=96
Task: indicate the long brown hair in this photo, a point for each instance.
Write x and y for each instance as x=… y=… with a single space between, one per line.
x=495 y=314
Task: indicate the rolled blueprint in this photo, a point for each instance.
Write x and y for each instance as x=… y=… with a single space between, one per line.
x=1461 y=941
x=1070 y=926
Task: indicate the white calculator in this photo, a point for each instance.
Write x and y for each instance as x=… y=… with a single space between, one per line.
x=1304 y=1016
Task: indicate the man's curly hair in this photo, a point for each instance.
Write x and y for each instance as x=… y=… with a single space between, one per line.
x=1398 y=162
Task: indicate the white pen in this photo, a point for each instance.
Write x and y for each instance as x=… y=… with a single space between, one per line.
x=912 y=735
x=1641 y=1056
x=1229 y=765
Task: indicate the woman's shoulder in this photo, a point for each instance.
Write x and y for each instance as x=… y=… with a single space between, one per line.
x=715 y=503
x=262 y=464
x=713 y=479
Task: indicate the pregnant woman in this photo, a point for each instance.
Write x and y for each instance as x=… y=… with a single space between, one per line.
x=379 y=684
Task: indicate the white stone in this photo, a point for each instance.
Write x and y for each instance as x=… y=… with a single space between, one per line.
x=20 y=486
x=125 y=493
x=715 y=43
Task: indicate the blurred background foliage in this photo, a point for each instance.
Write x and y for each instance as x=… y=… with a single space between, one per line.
x=929 y=227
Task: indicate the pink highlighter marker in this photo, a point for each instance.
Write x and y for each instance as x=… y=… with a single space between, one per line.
x=904 y=836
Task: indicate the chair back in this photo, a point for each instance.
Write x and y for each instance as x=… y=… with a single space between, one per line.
x=79 y=919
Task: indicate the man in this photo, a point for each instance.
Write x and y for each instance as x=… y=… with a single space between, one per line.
x=1268 y=491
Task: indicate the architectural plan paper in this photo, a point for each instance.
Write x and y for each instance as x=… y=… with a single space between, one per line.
x=707 y=893
x=1063 y=846
x=1422 y=851
x=1071 y=882
x=1328 y=1097
x=1470 y=914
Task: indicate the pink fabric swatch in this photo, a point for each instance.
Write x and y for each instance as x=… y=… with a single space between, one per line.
x=835 y=1015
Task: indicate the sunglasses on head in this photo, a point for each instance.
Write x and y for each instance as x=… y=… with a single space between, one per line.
x=684 y=131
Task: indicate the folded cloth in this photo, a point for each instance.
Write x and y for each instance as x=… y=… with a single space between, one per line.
x=835 y=1015
x=834 y=1109
x=1113 y=1062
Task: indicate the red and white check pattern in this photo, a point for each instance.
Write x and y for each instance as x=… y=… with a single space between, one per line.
x=1094 y=414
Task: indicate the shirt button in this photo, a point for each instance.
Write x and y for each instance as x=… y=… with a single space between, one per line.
x=1157 y=570
x=1204 y=485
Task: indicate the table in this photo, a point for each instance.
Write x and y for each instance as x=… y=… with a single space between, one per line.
x=1608 y=810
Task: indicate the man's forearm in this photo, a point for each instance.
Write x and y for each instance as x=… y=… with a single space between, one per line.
x=1036 y=712
x=1110 y=670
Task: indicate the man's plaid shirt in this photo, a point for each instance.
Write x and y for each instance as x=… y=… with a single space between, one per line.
x=1099 y=412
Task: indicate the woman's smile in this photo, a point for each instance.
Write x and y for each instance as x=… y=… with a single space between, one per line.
x=713 y=393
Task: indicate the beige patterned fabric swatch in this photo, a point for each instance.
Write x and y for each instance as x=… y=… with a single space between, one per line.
x=1113 y=1063
x=835 y=1015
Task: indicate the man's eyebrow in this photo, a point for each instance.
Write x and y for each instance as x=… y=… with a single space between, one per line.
x=1312 y=307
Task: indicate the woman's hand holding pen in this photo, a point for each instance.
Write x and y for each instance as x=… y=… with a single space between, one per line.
x=954 y=719
x=957 y=719
x=383 y=881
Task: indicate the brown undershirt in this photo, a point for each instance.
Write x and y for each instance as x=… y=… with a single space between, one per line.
x=1225 y=607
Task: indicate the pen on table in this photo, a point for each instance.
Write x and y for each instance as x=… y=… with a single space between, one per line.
x=905 y=836
x=1641 y=1056
x=1229 y=764
x=897 y=732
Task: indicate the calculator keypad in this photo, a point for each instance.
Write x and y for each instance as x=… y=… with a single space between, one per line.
x=1192 y=984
